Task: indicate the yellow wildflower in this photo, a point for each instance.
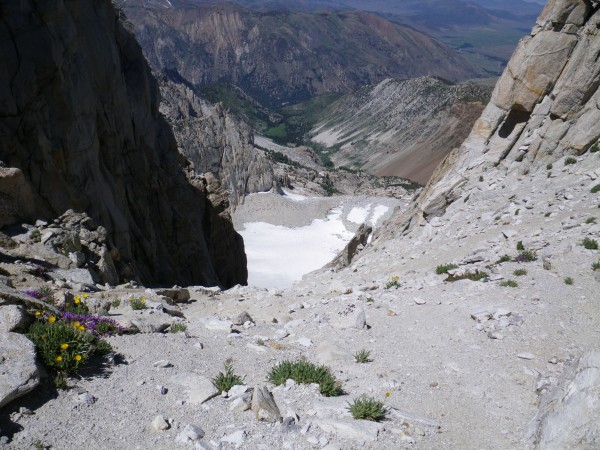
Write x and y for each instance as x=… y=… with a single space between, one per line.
x=77 y=357
x=58 y=359
x=85 y=295
x=388 y=394
x=77 y=300
x=51 y=319
x=143 y=299
x=37 y=314
x=81 y=328
x=64 y=346
x=76 y=324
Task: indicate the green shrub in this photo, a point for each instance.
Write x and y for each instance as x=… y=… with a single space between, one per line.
x=570 y=160
x=595 y=189
x=137 y=304
x=473 y=276
x=480 y=178
x=520 y=246
x=227 y=379
x=367 y=408
x=549 y=166
x=467 y=198
x=594 y=148
x=306 y=373
x=445 y=268
x=569 y=281
x=590 y=220
x=362 y=356
x=520 y=272
x=596 y=266
x=509 y=283
x=394 y=282
x=590 y=244
x=115 y=303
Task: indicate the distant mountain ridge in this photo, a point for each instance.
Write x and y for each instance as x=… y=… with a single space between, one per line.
x=285 y=56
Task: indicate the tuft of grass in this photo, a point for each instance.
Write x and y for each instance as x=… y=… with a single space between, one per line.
x=260 y=342
x=177 y=327
x=590 y=244
x=227 y=379
x=570 y=161
x=595 y=189
x=596 y=266
x=594 y=148
x=306 y=373
x=370 y=300
x=394 y=282
x=503 y=259
x=473 y=276
x=526 y=256
x=115 y=303
x=348 y=291
x=467 y=198
x=569 y=281
x=367 y=408
x=520 y=272
x=445 y=268
x=590 y=220
x=362 y=356
x=549 y=166
x=520 y=246
x=509 y=283
x=480 y=178
x=517 y=212
x=547 y=214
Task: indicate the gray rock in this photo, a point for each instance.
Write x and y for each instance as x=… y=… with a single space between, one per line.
x=264 y=406
x=215 y=324
x=199 y=389
x=178 y=295
x=78 y=259
x=569 y=416
x=85 y=398
x=13 y=318
x=242 y=318
x=160 y=424
x=237 y=390
x=525 y=355
x=328 y=353
x=236 y=438
x=355 y=430
x=190 y=434
x=18 y=370
x=82 y=276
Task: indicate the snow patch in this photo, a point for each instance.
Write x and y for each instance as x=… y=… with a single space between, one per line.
x=378 y=213
x=359 y=215
x=294 y=197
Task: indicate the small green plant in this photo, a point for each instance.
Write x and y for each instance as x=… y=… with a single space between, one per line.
x=348 y=291
x=590 y=244
x=362 y=356
x=509 y=283
x=370 y=300
x=306 y=373
x=547 y=214
x=473 y=276
x=569 y=281
x=367 y=408
x=39 y=445
x=227 y=379
x=520 y=246
x=594 y=148
x=467 y=198
x=178 y=327
x=549 y=166
x=570 y=160
x=480 y=178
x=394 y=282
x=590 y=220
x=503 y=259
x=260 y=342
x=116 y=302
x=137 y=304
x=520 y=272
x=526 y=256
x=445 y=268
x=596 y=266
x=595 y=189
x=517 y=212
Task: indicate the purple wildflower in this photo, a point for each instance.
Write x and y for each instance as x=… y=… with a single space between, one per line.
x=99 y=326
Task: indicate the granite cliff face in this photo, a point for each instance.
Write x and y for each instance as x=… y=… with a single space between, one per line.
x=80 y=129
x=545 y=106
x=215 y=141
x=285 y=56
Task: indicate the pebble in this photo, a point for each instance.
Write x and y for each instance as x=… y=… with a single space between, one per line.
x=237 y=438
x=525 y=355
x=163 y=364
x=419 y=301
x=86 y=399
x=305 y=342
x=163 y=390
x=190 y=434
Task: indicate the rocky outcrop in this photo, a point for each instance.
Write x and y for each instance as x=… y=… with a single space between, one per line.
x=80 y=129
x=18 y=369
x=545 y=106
x=283 y=56
x=400 y=127
x=569 y=417
x=214 y=141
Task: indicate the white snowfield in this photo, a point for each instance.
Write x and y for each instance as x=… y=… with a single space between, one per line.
x=280 y=253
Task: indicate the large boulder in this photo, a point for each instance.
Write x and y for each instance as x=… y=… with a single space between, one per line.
x=18 y=369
